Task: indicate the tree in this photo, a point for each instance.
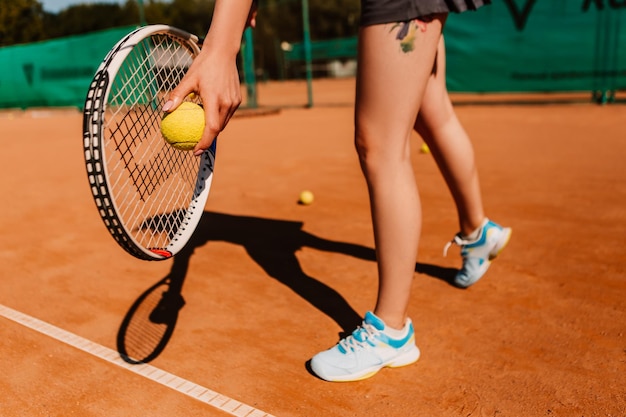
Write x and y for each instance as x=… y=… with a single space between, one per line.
x=85 y=18
x=278 y=20
x=194 y=16
x=21 y=21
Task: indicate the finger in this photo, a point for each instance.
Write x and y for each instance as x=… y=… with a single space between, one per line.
x=214 y=124
x=204 y=144
x=212 y=127
x=217 y=114
x=177 y=96
x=208 y=136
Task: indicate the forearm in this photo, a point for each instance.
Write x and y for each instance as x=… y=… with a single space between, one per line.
x=227 y=26
x=213 y=74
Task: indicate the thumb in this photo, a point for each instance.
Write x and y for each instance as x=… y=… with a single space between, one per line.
x=176 y=97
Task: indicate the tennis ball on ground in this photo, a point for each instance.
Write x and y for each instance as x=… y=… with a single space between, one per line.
x=183 y=127
x=424 y=148
x=306 y=197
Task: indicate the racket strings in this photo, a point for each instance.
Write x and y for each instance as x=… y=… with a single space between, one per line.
x=153 y=182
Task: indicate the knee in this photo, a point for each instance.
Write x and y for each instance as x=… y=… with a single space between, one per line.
x=366 y=149
x=435 y=115
x=381 y=151
x=360 y=145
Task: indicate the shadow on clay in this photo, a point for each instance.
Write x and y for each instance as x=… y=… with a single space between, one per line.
x=272 y=244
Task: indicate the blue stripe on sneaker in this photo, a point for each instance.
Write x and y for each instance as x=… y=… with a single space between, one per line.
x=483 y=235
x=372 y=319
x=397 y=343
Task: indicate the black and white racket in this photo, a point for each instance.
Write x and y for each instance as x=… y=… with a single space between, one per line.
x=149 y=195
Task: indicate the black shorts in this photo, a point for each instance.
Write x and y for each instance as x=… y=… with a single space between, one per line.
x=375 y=12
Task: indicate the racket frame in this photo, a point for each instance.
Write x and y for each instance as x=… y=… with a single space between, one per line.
x=95 y=152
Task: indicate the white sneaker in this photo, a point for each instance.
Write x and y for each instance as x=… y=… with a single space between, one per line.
x=478 y=254
x=367 y=350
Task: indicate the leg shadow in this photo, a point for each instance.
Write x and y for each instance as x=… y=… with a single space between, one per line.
x=439 y=272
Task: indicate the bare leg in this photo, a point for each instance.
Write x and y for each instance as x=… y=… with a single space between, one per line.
x=392 y=77
x=451 y=147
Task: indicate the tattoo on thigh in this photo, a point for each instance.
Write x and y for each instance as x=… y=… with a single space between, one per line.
x=407 y=32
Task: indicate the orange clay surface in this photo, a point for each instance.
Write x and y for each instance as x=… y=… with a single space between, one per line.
x=268 y=283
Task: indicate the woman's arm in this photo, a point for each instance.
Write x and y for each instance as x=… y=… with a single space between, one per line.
x=213 y=74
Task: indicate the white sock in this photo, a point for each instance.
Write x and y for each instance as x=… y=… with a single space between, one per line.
x=395 y=333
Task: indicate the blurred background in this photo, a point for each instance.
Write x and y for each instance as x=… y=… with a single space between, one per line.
x=50 y=49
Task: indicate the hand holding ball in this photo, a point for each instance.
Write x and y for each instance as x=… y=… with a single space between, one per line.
x=183 y=127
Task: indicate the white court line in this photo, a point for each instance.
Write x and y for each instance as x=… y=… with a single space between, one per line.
x=200 y=393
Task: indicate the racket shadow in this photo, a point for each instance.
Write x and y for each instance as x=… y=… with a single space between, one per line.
x=149 y=324
x=272 y=244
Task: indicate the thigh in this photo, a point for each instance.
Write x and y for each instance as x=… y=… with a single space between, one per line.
x=436 y=108
x=395 y=62
x=384 y=11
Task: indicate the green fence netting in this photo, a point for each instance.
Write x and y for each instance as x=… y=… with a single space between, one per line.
x=53 y=73
x=538 y=46
x=509 y=46
x=523 y=46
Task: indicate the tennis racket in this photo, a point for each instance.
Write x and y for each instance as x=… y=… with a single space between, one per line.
x=149 y=195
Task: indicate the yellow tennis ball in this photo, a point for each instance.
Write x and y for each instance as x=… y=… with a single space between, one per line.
x=183 y=127
x=306 y=197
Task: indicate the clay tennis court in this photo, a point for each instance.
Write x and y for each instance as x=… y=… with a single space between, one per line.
x=267 y=283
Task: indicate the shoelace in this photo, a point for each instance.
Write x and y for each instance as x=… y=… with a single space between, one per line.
x=364 y=332
x=457 y=240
